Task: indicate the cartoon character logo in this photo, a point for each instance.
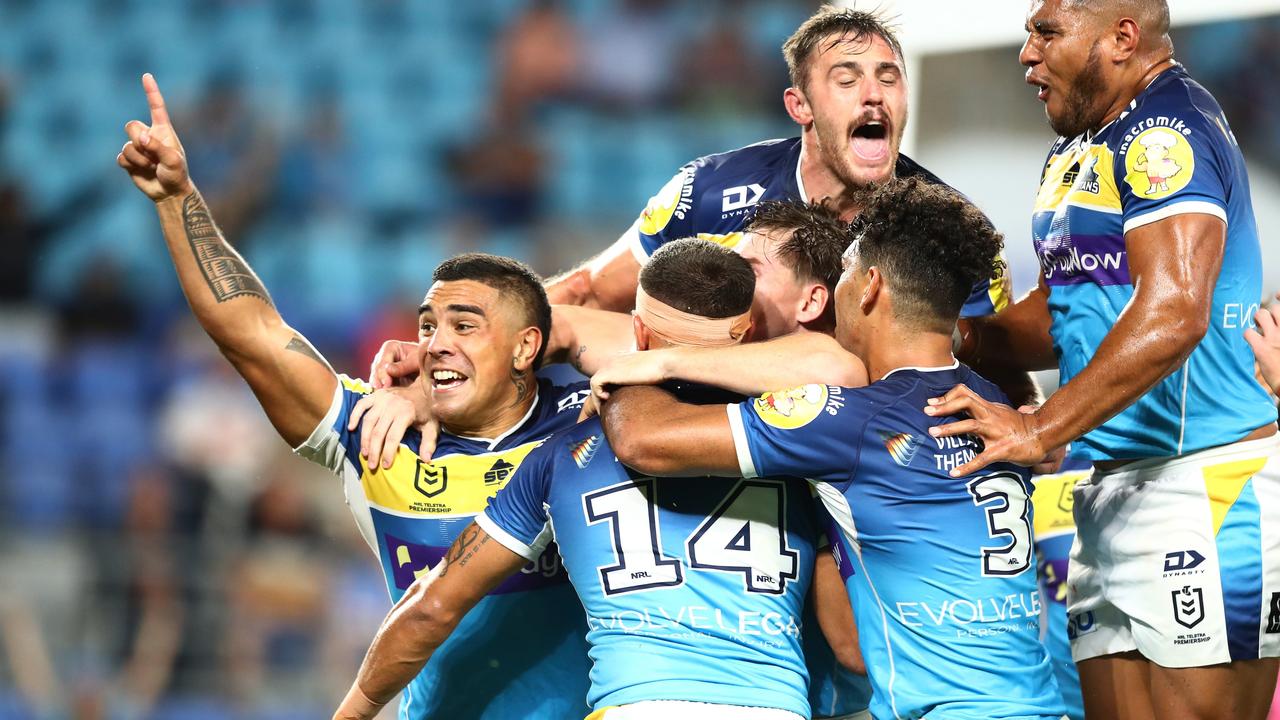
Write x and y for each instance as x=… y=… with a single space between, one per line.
x=790 y=409
x=1159 y=163
x=662 y=206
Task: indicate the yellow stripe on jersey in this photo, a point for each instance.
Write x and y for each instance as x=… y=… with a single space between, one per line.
x=1000 y=286
x=1084 y=177
x=1224 y=482
x=355 y=385
x=599 y=714
x=730 y=240
x=1053 y=502
x=448 y=485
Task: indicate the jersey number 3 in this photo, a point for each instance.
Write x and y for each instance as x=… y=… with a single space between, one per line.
x=746 y=534
x=1008 y=516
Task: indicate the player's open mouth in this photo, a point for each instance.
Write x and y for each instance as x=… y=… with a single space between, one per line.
x=1042 y=88
x=870 y=141
x=445 y=380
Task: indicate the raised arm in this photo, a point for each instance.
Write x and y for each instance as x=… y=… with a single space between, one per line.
x=607 y=281
x=653 y=433
x=749 y=369
x=292 y=381
x=424 y=618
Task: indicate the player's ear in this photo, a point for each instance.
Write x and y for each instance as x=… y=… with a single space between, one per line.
x=528 y=342
x=797 y=106
x=871 y=293
x=813 y=303
x=641 y=332
x=1126 y=37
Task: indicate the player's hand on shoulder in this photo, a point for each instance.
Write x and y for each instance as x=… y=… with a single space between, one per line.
x=396 y=364
x=1265 y=341
x=633 y=368
x=153 y=157
x=1007 y=435
x=384 y=416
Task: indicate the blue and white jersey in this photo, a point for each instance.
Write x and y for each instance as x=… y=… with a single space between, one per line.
x=713 y=197
x=496 y=664
x=1171 y=152
x=693 y=587
x=941 y=570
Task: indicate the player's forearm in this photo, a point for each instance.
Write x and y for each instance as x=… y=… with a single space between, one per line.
x=586 y=337
x=652 y=433
x=225 y=295
x=1017 y=339
x=1150 y=339
x=750 y=369
x=412 y=631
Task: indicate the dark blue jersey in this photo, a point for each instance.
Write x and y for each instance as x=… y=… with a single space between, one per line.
x=713 y=197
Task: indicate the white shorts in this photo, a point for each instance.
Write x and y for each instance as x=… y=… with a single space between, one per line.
x=1179 y=558
x=681 y=710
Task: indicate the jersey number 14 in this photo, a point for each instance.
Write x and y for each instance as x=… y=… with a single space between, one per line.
x=746 y=534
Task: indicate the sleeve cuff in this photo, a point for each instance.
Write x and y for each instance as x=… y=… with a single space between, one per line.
x=509 y=541
x=636 y=244
x=324 y=446
x=1179 y=208
x=740 y=445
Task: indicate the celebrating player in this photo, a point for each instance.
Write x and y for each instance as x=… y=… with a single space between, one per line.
x=849 y=95
x=943 y=582
x=794 y=251
x=482 y=327
x=693 y=589
x=1150 y=262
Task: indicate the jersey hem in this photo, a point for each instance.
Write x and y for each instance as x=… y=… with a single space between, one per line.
x=741 y=446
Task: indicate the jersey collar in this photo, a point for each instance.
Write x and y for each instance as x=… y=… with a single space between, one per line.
x=493 y=442
x=953 y=366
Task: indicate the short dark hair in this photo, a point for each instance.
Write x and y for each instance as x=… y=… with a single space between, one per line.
x=511 y=278
x=845 y=24
x=932 y=246
x=700 y=277
x=816 y=238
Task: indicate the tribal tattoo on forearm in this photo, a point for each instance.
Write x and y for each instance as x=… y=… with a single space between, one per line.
x=464 y=548
x=225 y=272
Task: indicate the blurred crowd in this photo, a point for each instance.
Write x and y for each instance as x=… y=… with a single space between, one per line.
x=164 y=556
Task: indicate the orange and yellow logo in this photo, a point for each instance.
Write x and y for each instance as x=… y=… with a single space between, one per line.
x=1159 y=163
x=790 y=409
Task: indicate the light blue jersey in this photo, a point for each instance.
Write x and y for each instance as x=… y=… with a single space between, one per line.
x=693 y=587
x=1171 y=152
x=941 y=570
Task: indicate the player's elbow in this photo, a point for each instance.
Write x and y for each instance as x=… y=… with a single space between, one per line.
x=639 y=451
x=572 y=288
x=426 y=615
x=1188 y=317
x=849 y=655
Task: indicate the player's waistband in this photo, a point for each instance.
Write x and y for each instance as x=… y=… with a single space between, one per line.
x=1150 y=467
x=683 y=710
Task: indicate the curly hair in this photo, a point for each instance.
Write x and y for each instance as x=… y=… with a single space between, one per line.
x=815 y=241
x=932 y=246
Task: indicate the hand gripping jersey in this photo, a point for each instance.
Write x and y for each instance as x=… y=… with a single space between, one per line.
x=940 y=569
x=497 y=664
x=693 y=587
x=1055 y=530
x=1169 y=153
x=713 y=197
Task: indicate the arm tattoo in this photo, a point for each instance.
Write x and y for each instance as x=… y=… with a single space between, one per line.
x=224 y=270
x=464 y=548
x=521 y=382
x=299 y=345
x=576 y=360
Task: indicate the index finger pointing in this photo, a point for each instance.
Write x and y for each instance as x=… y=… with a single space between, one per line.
x=159 y=115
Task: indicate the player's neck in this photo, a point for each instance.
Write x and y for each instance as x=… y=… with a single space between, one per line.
x=500 y=423
x=818 y=182
x=899 y=347
x=1144 y=75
